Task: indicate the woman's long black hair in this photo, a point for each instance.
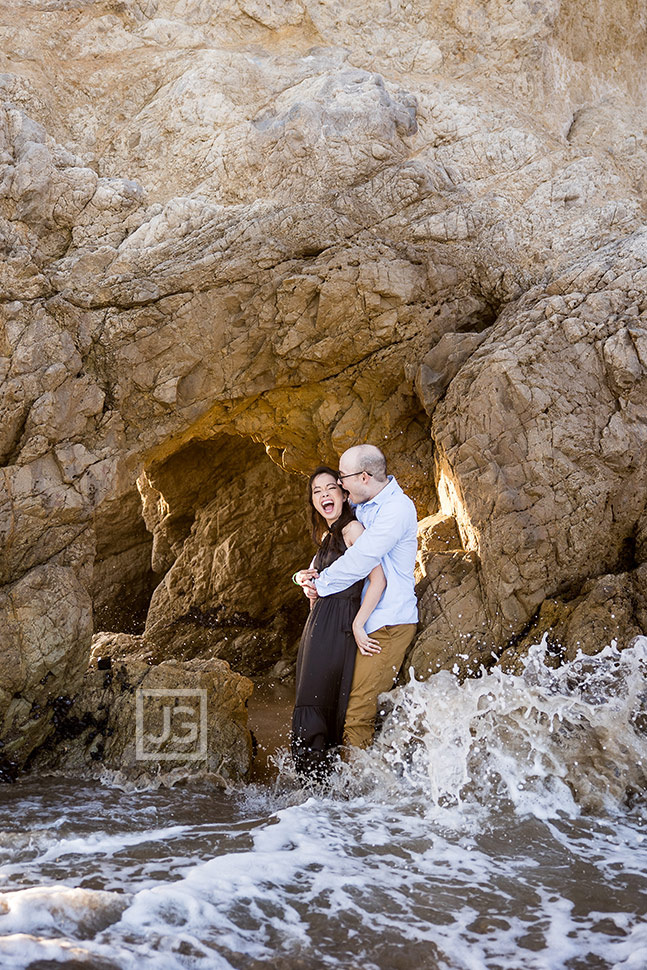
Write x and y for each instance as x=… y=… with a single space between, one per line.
x=319 y=524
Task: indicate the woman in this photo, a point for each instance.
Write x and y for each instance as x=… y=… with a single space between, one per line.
x=333 y=631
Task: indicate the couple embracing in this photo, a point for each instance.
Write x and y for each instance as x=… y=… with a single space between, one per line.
x=363 y=608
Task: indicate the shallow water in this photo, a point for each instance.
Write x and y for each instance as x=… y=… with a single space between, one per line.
x=493 y=826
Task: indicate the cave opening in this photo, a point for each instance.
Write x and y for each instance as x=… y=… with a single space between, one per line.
x=196 y=563
x=123 y=580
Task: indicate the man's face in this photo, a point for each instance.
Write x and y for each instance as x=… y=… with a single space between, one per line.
x=355 y=481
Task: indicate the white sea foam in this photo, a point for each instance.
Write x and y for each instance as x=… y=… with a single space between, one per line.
x=78 y=912
x=99 y=843
x=497 y=823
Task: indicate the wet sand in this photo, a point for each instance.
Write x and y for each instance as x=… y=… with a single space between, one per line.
x=270 y=715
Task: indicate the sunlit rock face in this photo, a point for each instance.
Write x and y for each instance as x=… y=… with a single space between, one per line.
x=455 y=633
x=545 y=430
x=301 y=225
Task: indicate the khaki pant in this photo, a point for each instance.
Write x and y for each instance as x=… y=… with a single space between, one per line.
x=373 y=675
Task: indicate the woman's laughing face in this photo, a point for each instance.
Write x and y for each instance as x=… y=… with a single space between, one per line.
x=327 y=497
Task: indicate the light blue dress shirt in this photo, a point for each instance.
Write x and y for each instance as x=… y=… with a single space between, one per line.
x=390 y=538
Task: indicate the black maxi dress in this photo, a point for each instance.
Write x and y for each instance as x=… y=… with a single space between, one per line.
x=325 y=665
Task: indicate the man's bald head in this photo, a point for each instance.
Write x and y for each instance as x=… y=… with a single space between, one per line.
x=366 y=458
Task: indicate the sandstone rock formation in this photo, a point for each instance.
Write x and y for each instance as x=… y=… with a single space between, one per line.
x=117 y=729
x=301 y=225
x=46 y=624
x=609 y=609
x=455 y=634
x=232 y=533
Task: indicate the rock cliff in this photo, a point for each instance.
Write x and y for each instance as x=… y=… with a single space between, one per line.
x=241 y=236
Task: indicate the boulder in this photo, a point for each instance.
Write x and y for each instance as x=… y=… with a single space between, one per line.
x=137 y=723
x=454 y=626
x=542 y=438
x=608 y=610
x=44 y=652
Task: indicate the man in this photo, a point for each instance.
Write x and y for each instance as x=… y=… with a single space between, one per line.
x=390 y=538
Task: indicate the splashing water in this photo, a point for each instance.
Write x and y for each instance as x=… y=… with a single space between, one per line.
x=495 y=825
x=545 y=742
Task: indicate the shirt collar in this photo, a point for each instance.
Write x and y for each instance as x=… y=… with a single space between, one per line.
x=389 y=489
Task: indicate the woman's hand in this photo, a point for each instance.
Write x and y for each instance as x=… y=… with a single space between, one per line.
x=305 y=574
x=364 y=643
x=304 y=578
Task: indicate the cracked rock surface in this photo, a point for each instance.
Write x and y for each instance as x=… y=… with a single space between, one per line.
x=240 y=237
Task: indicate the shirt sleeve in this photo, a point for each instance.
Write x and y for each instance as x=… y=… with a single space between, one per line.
x=365 y=553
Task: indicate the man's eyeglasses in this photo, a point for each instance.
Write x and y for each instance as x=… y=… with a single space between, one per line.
x=341 y=477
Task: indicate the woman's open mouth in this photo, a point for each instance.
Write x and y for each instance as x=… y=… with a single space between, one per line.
x=327 y=506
